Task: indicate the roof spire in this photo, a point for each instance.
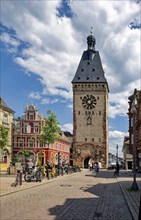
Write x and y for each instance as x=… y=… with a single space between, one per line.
x=91 y=41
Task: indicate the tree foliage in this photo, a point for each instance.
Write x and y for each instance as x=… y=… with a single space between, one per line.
x=3 y=137
x=27 y=153
x=51 y=129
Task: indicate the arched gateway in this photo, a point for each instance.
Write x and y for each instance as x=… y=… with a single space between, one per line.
x=86 y=162
x=87 y=153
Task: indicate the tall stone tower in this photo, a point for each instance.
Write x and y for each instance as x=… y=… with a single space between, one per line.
x=90 y=109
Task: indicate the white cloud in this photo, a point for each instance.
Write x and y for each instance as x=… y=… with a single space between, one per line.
x=34 y=95
x=116 y=138
x=68 y=127
x=45 y=101
x=118 y=102
x=70 y=106
x=11 y=42
x=8 y=39
x=54 y=46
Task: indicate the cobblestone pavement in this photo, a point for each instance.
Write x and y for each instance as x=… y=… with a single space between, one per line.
x=79 y=196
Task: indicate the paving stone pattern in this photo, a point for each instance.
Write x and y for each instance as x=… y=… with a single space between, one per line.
x=80 y=196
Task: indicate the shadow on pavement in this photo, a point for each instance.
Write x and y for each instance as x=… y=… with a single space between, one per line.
x=106 y=201
x=110 y=174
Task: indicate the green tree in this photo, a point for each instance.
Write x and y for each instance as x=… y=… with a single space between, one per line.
x=4 y=138
x=50 y=130
x=27 y=153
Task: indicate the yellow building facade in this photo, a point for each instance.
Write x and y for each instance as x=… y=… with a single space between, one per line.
x=6 y=119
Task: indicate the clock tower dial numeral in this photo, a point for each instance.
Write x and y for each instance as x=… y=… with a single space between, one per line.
x=89 y=102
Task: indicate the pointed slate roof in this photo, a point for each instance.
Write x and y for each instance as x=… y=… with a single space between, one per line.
x=4 y=106
x=90 y=68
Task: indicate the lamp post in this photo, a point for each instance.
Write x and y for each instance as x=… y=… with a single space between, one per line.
x=58 y=163
x=117 y=154
x=134 y=185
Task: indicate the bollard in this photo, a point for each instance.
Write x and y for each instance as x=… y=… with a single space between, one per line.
x=20 y=178
x=19 y=174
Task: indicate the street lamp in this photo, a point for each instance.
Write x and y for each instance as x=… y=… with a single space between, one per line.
x=117 y=154
x=58 y=163
x=134 y=185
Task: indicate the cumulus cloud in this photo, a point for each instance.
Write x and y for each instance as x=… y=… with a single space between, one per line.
x=116 y=138
x=34 y=95
x=55 y=43
x=45 y=101
x=68 y=127
x=52 y=46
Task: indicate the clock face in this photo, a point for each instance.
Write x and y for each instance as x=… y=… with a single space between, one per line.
x=89 y=101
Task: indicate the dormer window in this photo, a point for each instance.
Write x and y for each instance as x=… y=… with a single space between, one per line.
x=31 y=107
x=31 y=116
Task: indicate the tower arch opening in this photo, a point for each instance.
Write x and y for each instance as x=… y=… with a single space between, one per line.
x=86 y=162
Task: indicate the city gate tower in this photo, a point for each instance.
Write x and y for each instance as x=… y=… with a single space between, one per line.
x=90 y=109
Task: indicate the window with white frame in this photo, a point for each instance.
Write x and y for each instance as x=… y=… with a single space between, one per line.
x=36 y=128
x=27 y=128
x=31 y=143
x=41 y=144
x=31 y=116
x=5 y=118
x=20 y=143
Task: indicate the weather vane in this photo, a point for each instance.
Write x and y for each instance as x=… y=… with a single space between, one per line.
x=91 y=31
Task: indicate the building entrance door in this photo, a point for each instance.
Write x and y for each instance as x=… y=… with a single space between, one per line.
x=129 y=165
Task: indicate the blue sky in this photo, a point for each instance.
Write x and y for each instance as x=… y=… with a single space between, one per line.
x=41 y=46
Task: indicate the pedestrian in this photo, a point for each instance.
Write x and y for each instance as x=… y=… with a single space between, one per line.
x=117 y=169
x=48 y=169
x=96 y=167
x=91 y=166
x=30 y=164
x=100 y=166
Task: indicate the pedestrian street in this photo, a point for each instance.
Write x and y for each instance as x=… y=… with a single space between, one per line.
x=76 y=196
